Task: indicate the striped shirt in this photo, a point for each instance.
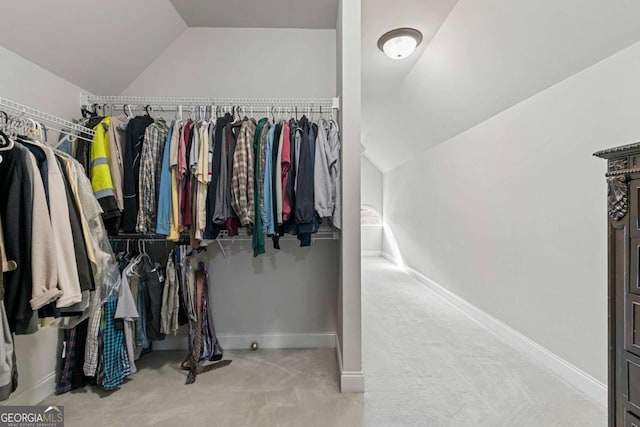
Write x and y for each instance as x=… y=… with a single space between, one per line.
x=150 y=172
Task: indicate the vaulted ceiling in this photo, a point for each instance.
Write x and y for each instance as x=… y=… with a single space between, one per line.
x=101 y=46
x=486 y=57
x=477 y=57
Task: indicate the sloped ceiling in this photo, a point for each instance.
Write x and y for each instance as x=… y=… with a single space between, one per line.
x=477 y=58
x=487 y=56
x=258 y=13
x=100 y=46
x=379 y=73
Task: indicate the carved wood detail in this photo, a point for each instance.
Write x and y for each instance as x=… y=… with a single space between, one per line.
x=617 y=189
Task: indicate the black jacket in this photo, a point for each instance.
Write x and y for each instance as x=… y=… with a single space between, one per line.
x=16 y=202
x=131 y=166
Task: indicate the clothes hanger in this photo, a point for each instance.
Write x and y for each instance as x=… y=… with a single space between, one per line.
x=128 y=111
x=6 y=142
x=144 y=251
x=6 y=120
x=6 y=145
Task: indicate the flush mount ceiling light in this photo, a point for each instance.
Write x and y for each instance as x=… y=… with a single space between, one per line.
x=399 y=43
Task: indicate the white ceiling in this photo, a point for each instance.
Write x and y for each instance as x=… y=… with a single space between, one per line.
x=477 y=58
x=258 y=13
x=101 y=46
x=488 y=56
x=379 y=73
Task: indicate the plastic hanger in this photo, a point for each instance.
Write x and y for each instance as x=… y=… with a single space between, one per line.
x=6 y=145
x=127 y=111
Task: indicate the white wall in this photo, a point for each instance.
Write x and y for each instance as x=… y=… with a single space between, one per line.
x=350 y=297
x=371 y=184
x=26 y=83
x=294 y=290
x=371 y=194
x=511 y=215
x=243 y=62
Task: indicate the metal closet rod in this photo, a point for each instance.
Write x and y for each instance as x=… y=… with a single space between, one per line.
x=333 y=235
x=255 y=103
x=41 y=116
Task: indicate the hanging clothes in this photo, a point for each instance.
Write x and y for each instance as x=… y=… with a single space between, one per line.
x=150 y=174
x=127 y=311
x=174 y=149
x=83 y=146
x=258 y=232
x=131 y=181
x=268 y=217
x=8 y=367
x=117 y=136
x=243 y=177
x=163 y=223
x=28 y=240
x=170 y=299
x=101 y=180
x=327 y=173
x=305 y=215
x=203 y=343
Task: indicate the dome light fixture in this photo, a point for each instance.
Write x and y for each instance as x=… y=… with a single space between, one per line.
x=399 y=43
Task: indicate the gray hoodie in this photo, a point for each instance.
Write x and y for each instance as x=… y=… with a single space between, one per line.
x=327 y=173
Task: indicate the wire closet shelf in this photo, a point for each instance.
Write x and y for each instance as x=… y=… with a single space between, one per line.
x=261 y=105
x=54 y=122
x=324 y=233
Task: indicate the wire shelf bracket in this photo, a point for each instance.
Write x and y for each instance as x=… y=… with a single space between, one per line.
x=41 y=116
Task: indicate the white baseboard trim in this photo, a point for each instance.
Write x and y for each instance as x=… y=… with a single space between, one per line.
x=390 y=258
x=370 y=253
x=579 y=379
x=34 y=394
x=243 y=342
x=350 y=381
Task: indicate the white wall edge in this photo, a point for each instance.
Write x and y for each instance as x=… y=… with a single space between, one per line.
x=576 y=377
x=36 y=393
x=350 y=382
x=268 y=341
x=370 y=253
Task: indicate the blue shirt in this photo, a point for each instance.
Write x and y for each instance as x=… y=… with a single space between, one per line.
x=163 y=223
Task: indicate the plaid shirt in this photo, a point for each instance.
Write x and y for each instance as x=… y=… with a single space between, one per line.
x=113 y=345
x=91 y=349
x=150 y=172
x=242 y=180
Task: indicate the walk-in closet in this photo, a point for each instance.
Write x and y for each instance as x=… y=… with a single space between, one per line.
x=180 y=201
x=319 y=213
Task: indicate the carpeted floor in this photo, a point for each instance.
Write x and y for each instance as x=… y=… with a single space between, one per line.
x=426 y=364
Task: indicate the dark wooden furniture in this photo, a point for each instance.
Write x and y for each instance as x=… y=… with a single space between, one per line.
x=623 y=206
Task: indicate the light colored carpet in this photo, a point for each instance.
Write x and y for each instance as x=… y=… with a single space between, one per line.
x=426 y=364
